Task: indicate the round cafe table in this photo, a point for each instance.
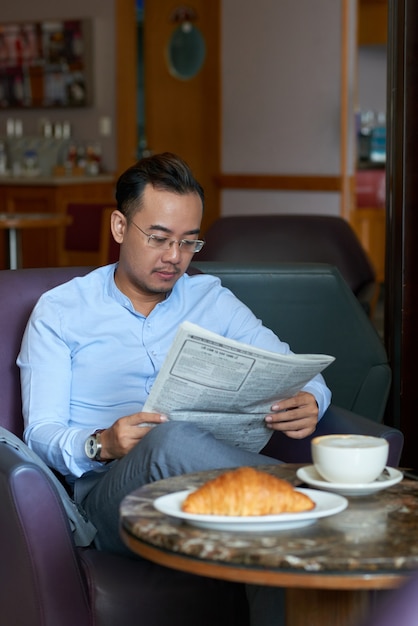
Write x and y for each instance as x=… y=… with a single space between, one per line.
x=328 y=568
x=13 y=223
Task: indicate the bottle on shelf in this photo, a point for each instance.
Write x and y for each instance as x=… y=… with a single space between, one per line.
x=367 y=120
x=378 y=140
x=3 y=159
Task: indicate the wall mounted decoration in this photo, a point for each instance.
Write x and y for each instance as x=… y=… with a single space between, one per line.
x=45 y=64
x=186 y=50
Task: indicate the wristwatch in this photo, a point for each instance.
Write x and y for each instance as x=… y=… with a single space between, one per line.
x=93 y=446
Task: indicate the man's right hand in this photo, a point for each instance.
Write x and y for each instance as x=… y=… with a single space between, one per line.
x=125 y=433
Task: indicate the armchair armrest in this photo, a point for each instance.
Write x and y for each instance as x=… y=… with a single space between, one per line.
x=36 y=543
x=335 y=421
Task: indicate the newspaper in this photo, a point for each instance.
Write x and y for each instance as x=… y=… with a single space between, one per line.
x=227 y=387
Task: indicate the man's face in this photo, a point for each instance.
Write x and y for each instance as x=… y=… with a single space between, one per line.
x=165 y=214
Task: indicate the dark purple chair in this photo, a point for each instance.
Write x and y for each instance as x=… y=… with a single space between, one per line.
x=398 y=607
x=44 y=579
x=294 y=238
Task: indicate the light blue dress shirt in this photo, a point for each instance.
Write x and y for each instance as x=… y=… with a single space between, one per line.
x=88 y=358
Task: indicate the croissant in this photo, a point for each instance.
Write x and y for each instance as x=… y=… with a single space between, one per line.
x=246 y=491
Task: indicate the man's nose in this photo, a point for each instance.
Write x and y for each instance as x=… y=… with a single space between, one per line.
x=173 y=252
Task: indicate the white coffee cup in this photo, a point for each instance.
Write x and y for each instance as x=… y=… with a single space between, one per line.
x=349 y=459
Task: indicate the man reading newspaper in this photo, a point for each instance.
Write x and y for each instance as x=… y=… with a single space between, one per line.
x=93 y=348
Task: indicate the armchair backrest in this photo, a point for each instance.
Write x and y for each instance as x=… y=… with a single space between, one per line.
x=293 y=238
x=310 y=306
x=19 y=292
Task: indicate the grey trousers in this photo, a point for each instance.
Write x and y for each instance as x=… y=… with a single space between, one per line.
x=169 y=449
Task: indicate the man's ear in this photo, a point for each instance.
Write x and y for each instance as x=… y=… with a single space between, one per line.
x=118 y=225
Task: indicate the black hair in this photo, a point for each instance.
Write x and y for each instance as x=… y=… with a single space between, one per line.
x=165 y=172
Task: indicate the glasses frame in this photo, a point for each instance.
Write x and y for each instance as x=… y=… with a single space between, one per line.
x=165 y=243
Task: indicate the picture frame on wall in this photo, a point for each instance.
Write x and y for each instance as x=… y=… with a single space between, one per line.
x=45 y=64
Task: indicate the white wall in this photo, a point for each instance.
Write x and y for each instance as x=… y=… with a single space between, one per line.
x=281 y=83
x=280 y=91
x=244 y=202
x=372 y=78
x=85 y=121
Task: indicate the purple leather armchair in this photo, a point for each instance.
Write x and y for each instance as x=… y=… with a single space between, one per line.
x=397 y=607
x=44 y=579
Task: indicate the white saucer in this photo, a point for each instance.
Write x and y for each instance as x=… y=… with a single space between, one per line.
x=310 y=476
x=325 y=504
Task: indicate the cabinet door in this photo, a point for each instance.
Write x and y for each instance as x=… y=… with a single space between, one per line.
x=372 y=22
x=370 y=227
x=190 y=125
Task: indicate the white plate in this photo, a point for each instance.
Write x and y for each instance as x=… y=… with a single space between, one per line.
x=310 y=476
x=325 y=504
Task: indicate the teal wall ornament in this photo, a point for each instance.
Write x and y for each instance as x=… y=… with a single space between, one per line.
x=186 y=49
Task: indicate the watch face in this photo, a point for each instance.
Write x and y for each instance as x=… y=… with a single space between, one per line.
x=91 y=447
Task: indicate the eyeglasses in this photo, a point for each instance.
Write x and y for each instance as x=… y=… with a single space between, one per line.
x=164 y=243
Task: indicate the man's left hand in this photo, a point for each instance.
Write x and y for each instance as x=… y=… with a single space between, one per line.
x=297 y=417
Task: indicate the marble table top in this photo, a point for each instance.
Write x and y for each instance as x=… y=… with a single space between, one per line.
x=375 y=534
